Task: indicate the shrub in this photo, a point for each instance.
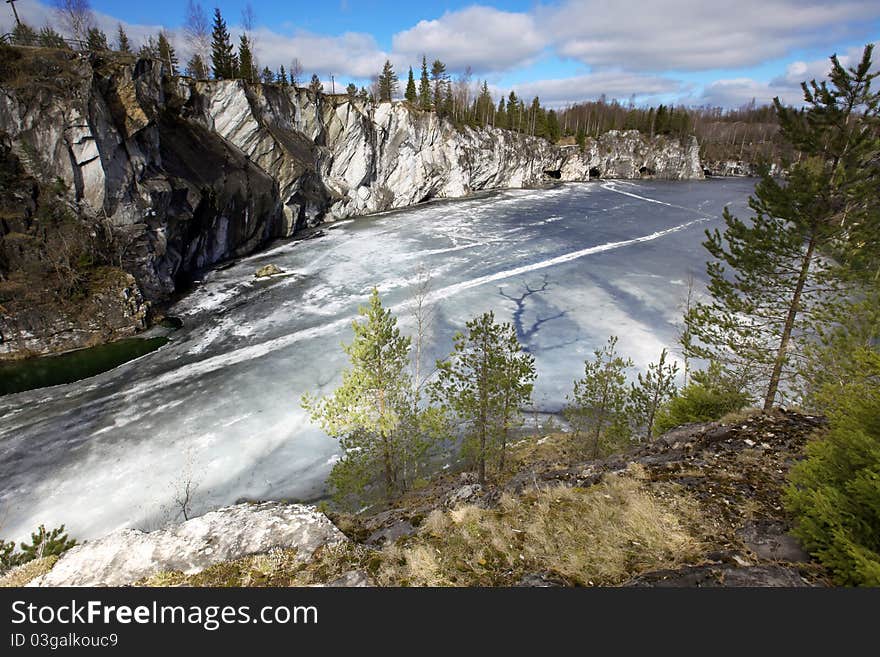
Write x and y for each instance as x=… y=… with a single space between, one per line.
x=711 y=396
x=834 y=494
x=43 y=543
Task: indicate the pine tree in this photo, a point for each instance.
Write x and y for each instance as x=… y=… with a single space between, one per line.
x=655 y=388
x=351 y=90
x=149 y=49
x=46 y=543
x=281 y=77
x=223 y=61
x=122 y=42
x=315 y=86
x=424 y=87
x=267 y=76
x=247 y=70
x=759 y=316
x=24 y=35
x=388 y=84
x=49 y=38
x=365 y=412
x=598 y=403
x=96 y=40
x=484 y=382
x=166 y=53
x=411 y=94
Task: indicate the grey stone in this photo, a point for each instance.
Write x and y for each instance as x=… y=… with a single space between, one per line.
x=128 y=555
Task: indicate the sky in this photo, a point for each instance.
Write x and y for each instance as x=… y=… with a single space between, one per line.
x=690 y=52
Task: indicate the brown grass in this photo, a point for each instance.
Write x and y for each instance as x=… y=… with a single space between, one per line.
x=600 y=535
x=25 y=573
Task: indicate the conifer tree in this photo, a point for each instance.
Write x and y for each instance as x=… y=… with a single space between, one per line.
x=655 y=388
x=439 y=79
x=424 y=87
x=267 y=76
x=365 y=413
x=247 y=70
x=122 y=42
x=388 y=84
x=351 y=90
x=196 y=67
x=96 y=40
x=223 y=61
x=315 y=86
x=166 y=52
x=24 y=35
x=598 y=404
x=484 y=382
x=49 y=38
x=767 y=280
x=411 y=95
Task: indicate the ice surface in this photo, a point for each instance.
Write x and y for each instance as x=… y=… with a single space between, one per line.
x=221 y=402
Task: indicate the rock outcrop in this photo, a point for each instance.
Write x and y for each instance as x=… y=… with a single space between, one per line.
x=128 y=555
x=171 y=175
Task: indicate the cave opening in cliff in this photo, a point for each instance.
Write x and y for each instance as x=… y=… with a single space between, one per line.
x=556 y=174
x=595 y=173
x=646 y=171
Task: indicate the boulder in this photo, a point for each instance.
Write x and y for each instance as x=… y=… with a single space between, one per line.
x=128 y=555
x=268 y=270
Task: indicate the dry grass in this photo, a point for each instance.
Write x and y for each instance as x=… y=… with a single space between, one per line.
x=737 y=417
x=600 y=535
x=25 y=573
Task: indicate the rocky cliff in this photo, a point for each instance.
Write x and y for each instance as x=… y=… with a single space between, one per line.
x=167 y=175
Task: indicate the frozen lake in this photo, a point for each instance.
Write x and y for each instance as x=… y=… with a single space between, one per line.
x=221 y=400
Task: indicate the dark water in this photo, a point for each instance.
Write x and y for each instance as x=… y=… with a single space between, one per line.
x=20 y=375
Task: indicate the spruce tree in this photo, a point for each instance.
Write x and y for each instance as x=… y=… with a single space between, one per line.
x=424 y=87
x=223 y=61
x=351 y=90
x=281 y=77
x=388 y=84
x=267 y=76
x=484 y=382
x=122 y=42
x=411 y=95
x=767 y=279
x=598 y=407
x=365 y=413
x=167 y=53
x=247 y=70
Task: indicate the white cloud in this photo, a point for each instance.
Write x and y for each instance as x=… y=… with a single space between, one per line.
x=697 y=35
x=738 y=91
x=614 y=84
x=481 y=37
x=348 y=55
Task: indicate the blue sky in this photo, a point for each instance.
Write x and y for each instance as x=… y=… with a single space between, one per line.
x=663 y=51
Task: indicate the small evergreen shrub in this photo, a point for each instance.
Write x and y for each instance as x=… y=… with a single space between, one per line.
x=711 y=396
x=834 y=494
